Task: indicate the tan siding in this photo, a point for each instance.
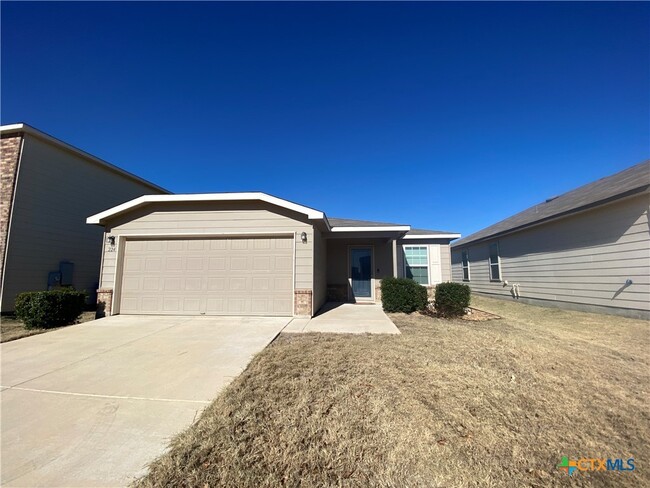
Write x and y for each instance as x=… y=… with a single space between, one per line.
x=320 y=271
x=583 y=259
x=337 y=258
x=56 y=190
x=217 y=218
x=445 y=255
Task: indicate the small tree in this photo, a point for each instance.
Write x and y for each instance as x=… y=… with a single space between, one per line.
x=402 y=295
x=451 y=299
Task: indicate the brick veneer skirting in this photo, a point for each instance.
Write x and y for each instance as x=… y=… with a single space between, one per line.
x=302 y=302
x=9 y=156
x=104 y=301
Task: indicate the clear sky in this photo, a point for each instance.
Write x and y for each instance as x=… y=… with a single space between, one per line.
x=443 y=116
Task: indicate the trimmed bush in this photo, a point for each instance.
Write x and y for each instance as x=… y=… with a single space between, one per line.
x=452 y=299
x=43 y=309
x=402 y=295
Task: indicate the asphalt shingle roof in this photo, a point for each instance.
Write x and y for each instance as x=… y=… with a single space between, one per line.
x=335 y=222
x=626 y=182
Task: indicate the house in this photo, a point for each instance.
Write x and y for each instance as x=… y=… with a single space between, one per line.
x=252 y=254
x=48 y=190
x=588 y=249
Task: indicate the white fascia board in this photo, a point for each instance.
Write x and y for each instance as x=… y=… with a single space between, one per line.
x=311 y=213
x=393 y=228
x=432 y=236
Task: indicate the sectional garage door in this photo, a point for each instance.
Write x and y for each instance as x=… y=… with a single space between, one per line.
x=237 y=276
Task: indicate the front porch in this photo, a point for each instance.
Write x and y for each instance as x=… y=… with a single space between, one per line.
x=352 y=257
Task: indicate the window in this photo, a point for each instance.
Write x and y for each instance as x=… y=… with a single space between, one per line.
x=416 y=263
x=465 y=265
x=495 y=268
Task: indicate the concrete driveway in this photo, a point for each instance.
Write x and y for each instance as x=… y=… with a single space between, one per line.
x=92 y=404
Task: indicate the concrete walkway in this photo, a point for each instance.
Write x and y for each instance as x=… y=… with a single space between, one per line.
x=346 y=318
x=93 y=404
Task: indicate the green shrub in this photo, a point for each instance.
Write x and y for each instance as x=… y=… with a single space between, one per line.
x=40 y=309
x=402 y=295
x=452 y=299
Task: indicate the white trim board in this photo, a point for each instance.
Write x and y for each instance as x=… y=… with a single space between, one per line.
x=205 y=197
x=432 y=236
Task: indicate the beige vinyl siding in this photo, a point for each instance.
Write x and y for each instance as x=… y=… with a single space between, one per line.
x=584 y=259
x=445 y=256
x=338 y=272
x=320 y=271
x=214 y=219
x=56 y=190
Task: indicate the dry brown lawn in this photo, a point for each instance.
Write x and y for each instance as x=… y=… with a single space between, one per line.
x=447 y=403
x=11 y=328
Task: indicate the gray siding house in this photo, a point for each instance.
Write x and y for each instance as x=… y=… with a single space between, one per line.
x=588 y=249
x=252 y=254
x=48 y=190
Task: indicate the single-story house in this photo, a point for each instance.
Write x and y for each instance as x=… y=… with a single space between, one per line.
x=252 y=254
x=48 y=189
x=588 y=249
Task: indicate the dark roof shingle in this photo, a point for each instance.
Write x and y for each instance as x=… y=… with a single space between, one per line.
x=628 y=181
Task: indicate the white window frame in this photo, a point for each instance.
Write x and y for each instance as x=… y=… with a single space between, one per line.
x=498 y=263
x=463 y=255
x=406 y=265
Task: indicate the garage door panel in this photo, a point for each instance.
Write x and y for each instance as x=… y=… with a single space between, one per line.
x=155 y=245
x=243 y=276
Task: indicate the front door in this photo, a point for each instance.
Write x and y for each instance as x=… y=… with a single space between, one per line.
x=361 y=272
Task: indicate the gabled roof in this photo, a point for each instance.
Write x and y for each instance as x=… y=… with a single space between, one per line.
x=426 y=233
x=627 y=182
x=352 y=225
x=28 y=129
x=101 y=217
x=333 y=224
x=337 y=222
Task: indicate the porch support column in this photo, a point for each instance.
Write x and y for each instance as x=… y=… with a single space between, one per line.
x=395 y=258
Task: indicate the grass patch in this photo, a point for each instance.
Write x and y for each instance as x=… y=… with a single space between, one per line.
x=12 y=328
x=447 y=403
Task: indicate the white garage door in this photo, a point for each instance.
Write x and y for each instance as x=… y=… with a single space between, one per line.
x=238 y=276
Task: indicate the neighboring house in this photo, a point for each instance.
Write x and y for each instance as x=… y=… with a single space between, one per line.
x=588 y=249
x=48 y=190
x=253 y=254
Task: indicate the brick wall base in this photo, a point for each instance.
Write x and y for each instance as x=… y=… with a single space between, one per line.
x=9 y=155
x=104 y=301
x=302 y=302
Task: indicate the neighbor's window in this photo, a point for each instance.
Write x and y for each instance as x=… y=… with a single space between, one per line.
x=465 y=265
x=495 y=268
x=416 y=263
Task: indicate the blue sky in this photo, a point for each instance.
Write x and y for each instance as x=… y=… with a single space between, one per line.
x=444 y=116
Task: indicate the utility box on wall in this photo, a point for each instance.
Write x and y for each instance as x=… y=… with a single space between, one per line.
x=66 y=268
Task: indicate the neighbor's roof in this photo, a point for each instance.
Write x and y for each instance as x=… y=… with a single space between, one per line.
x=627 y=182
x=28 y=129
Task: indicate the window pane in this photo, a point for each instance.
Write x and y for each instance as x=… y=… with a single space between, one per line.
x=465 y=258
x=494 y=253
x=415 y=255
x=465 y=274
x=494 y=272
x=418 y=274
